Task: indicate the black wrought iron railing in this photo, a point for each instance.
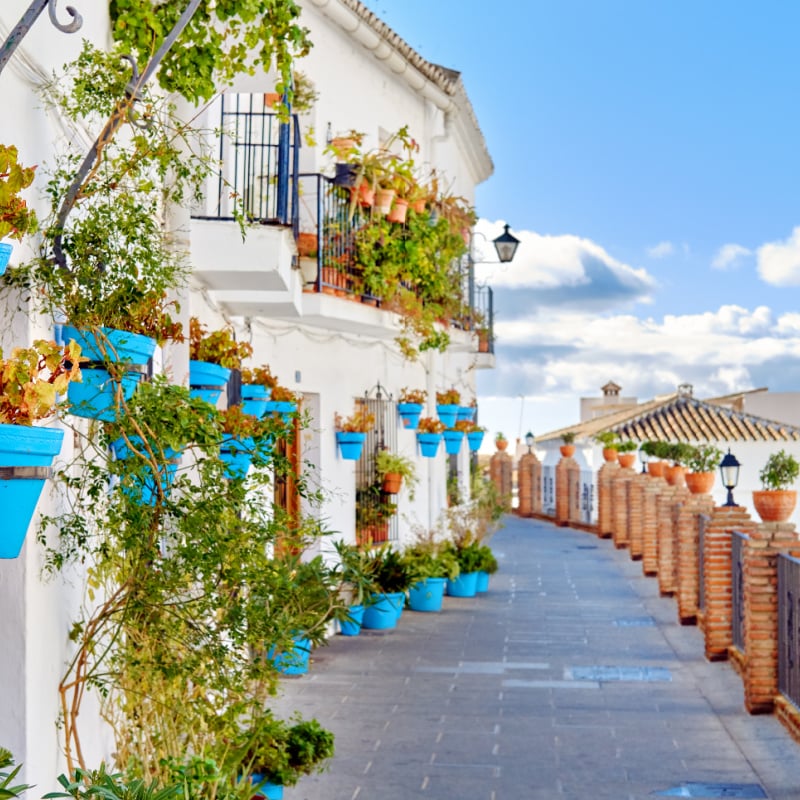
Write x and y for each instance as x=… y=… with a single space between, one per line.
x=738 y=540
x=789 y=628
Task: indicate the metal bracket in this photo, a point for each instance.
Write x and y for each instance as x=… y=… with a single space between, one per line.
x=24 y=473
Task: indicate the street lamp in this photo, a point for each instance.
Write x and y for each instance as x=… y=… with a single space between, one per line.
x=529 y=440
x=643 y=459
x=506 y=245
x=729 y=469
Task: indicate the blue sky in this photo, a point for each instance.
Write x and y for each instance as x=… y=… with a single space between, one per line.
x=647 y=155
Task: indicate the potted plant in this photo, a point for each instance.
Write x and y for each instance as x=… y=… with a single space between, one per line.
x=447 y=404
x=567 y=447
x=469 y=558
x=257 y=384
x=351 y=432
x=392 y=578
x=775 y=502
x=30 y=381
x=16 y=219
x=431 y=565
x=475 y=434
x=212 y=357
x=6 y=789
x=487 y=567
x=356 y=584
x=609 y=441
x=392 y=468
x=410 y=405
x=654 y=450
x=626 y=453
x=678 y=453
x=429 y=434
x=500 y=441
x=703 y=461
x=243 y=436
x=467 y=413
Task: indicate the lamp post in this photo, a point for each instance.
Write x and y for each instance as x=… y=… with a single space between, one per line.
x=529 y=440
x=506 y=245
x=729 y=469
x=643 y=459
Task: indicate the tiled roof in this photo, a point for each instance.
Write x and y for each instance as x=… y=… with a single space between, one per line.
x=683 y=418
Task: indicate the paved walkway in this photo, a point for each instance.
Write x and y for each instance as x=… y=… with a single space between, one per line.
x=571 y=678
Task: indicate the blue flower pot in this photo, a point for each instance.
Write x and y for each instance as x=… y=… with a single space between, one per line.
x=254 y=399
x=283 y=407
x=381 y=615
x=466 y=413
x=475 y=439
x=427 y=595
x=350 y=444
x=268 y=790
x=5 y=254
x=452 y=441
x=448 y=414
x=482 y=581
x=293 y=661
x=144 y=486
x=464 y=585
x=96 y=396
x=429 y=443
x=111 y=345
x=207 y=380
x=352 y=626
x=237 y=455
x=23 y=446
x=398 y=600
x=410 y=414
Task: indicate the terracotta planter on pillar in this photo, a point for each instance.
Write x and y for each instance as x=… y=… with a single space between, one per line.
x=626 y=460
x=610 y=454
x=567 y=450
x=674 y=475
x=773 y=505
x=699 y=482
x=656 y=468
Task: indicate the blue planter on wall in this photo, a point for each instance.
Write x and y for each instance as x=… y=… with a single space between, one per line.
x=351 y=443
x=285 y=408
x=410 y=414
x=254 y=399
x=381 y=615
x=294 y=660
x=467 y=412
x=464 y=585
x=237 y=455
x=429 y=443
x=352 y=626
x=482 y=581
x=5 y=254
x=475 y=439
x=25 y=447
x=448 y=414
x=452 y=441
x=207 y=380
x=427 y=595
x=146 y=484
x=111 y=345
x=95 y=396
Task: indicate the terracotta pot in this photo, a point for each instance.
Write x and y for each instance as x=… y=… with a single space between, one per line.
x=306 y=244
x=392 y=481
x=418 y=206
x=656 y=468
x=366 y=195
x=774 y=505
x=567 y=450
x=626 y=460
x=383 y=200
x=610 y=454
x=501 y=444
x=483 y=341
x=700 y=482
x=399 y=211
x=330 y=279
x=674 y=474
x=271 y=99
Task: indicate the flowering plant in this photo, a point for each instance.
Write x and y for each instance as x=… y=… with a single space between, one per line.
x=360 y=421
x=413 y=396
x=430 y=425
x=450 y=397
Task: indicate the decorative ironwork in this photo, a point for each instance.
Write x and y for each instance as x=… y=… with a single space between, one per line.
x=26 y=22
x=587 y=496
x=789 y=628
x=737 y=586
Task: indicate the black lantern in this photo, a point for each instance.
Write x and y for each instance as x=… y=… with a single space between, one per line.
x=506 y=245
x=529 y=440
x=643 y=459
x=729 y=469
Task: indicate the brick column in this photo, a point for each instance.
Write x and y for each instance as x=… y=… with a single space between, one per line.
x=574 y=491
x=564 y=502
x=636 y=489
x=500 y=472
x=605 y=513
x=529 y=483
x=760 y=584
x=717 y=614
x=668 y=504
x=688 y=561
x=619 y=495
x=652 y=491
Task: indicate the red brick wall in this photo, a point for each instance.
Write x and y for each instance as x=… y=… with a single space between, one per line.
x=688 y=561
x=668 y=504
x=652 y=491
x=619 y=503
x=529 y=484
x=636 y=489
x=567 y=471
x=500 y=471
x=605 y=477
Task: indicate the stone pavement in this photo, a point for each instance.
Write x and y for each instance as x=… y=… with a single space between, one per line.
x=571 y=678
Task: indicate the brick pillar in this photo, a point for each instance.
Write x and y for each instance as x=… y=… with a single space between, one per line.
x=760 y=584
x=688 y=561
x=564 y=502
x=668 y=504
x=652 y=491
x=717 y=615
x=529 y=483
x=500 y=472
x=636 y=490
x=574 y=482
x=619 y=495
x=605 y=513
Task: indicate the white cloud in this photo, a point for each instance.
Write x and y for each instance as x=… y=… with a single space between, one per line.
x=779 y=262
x=729 y=256
x=661 y=250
